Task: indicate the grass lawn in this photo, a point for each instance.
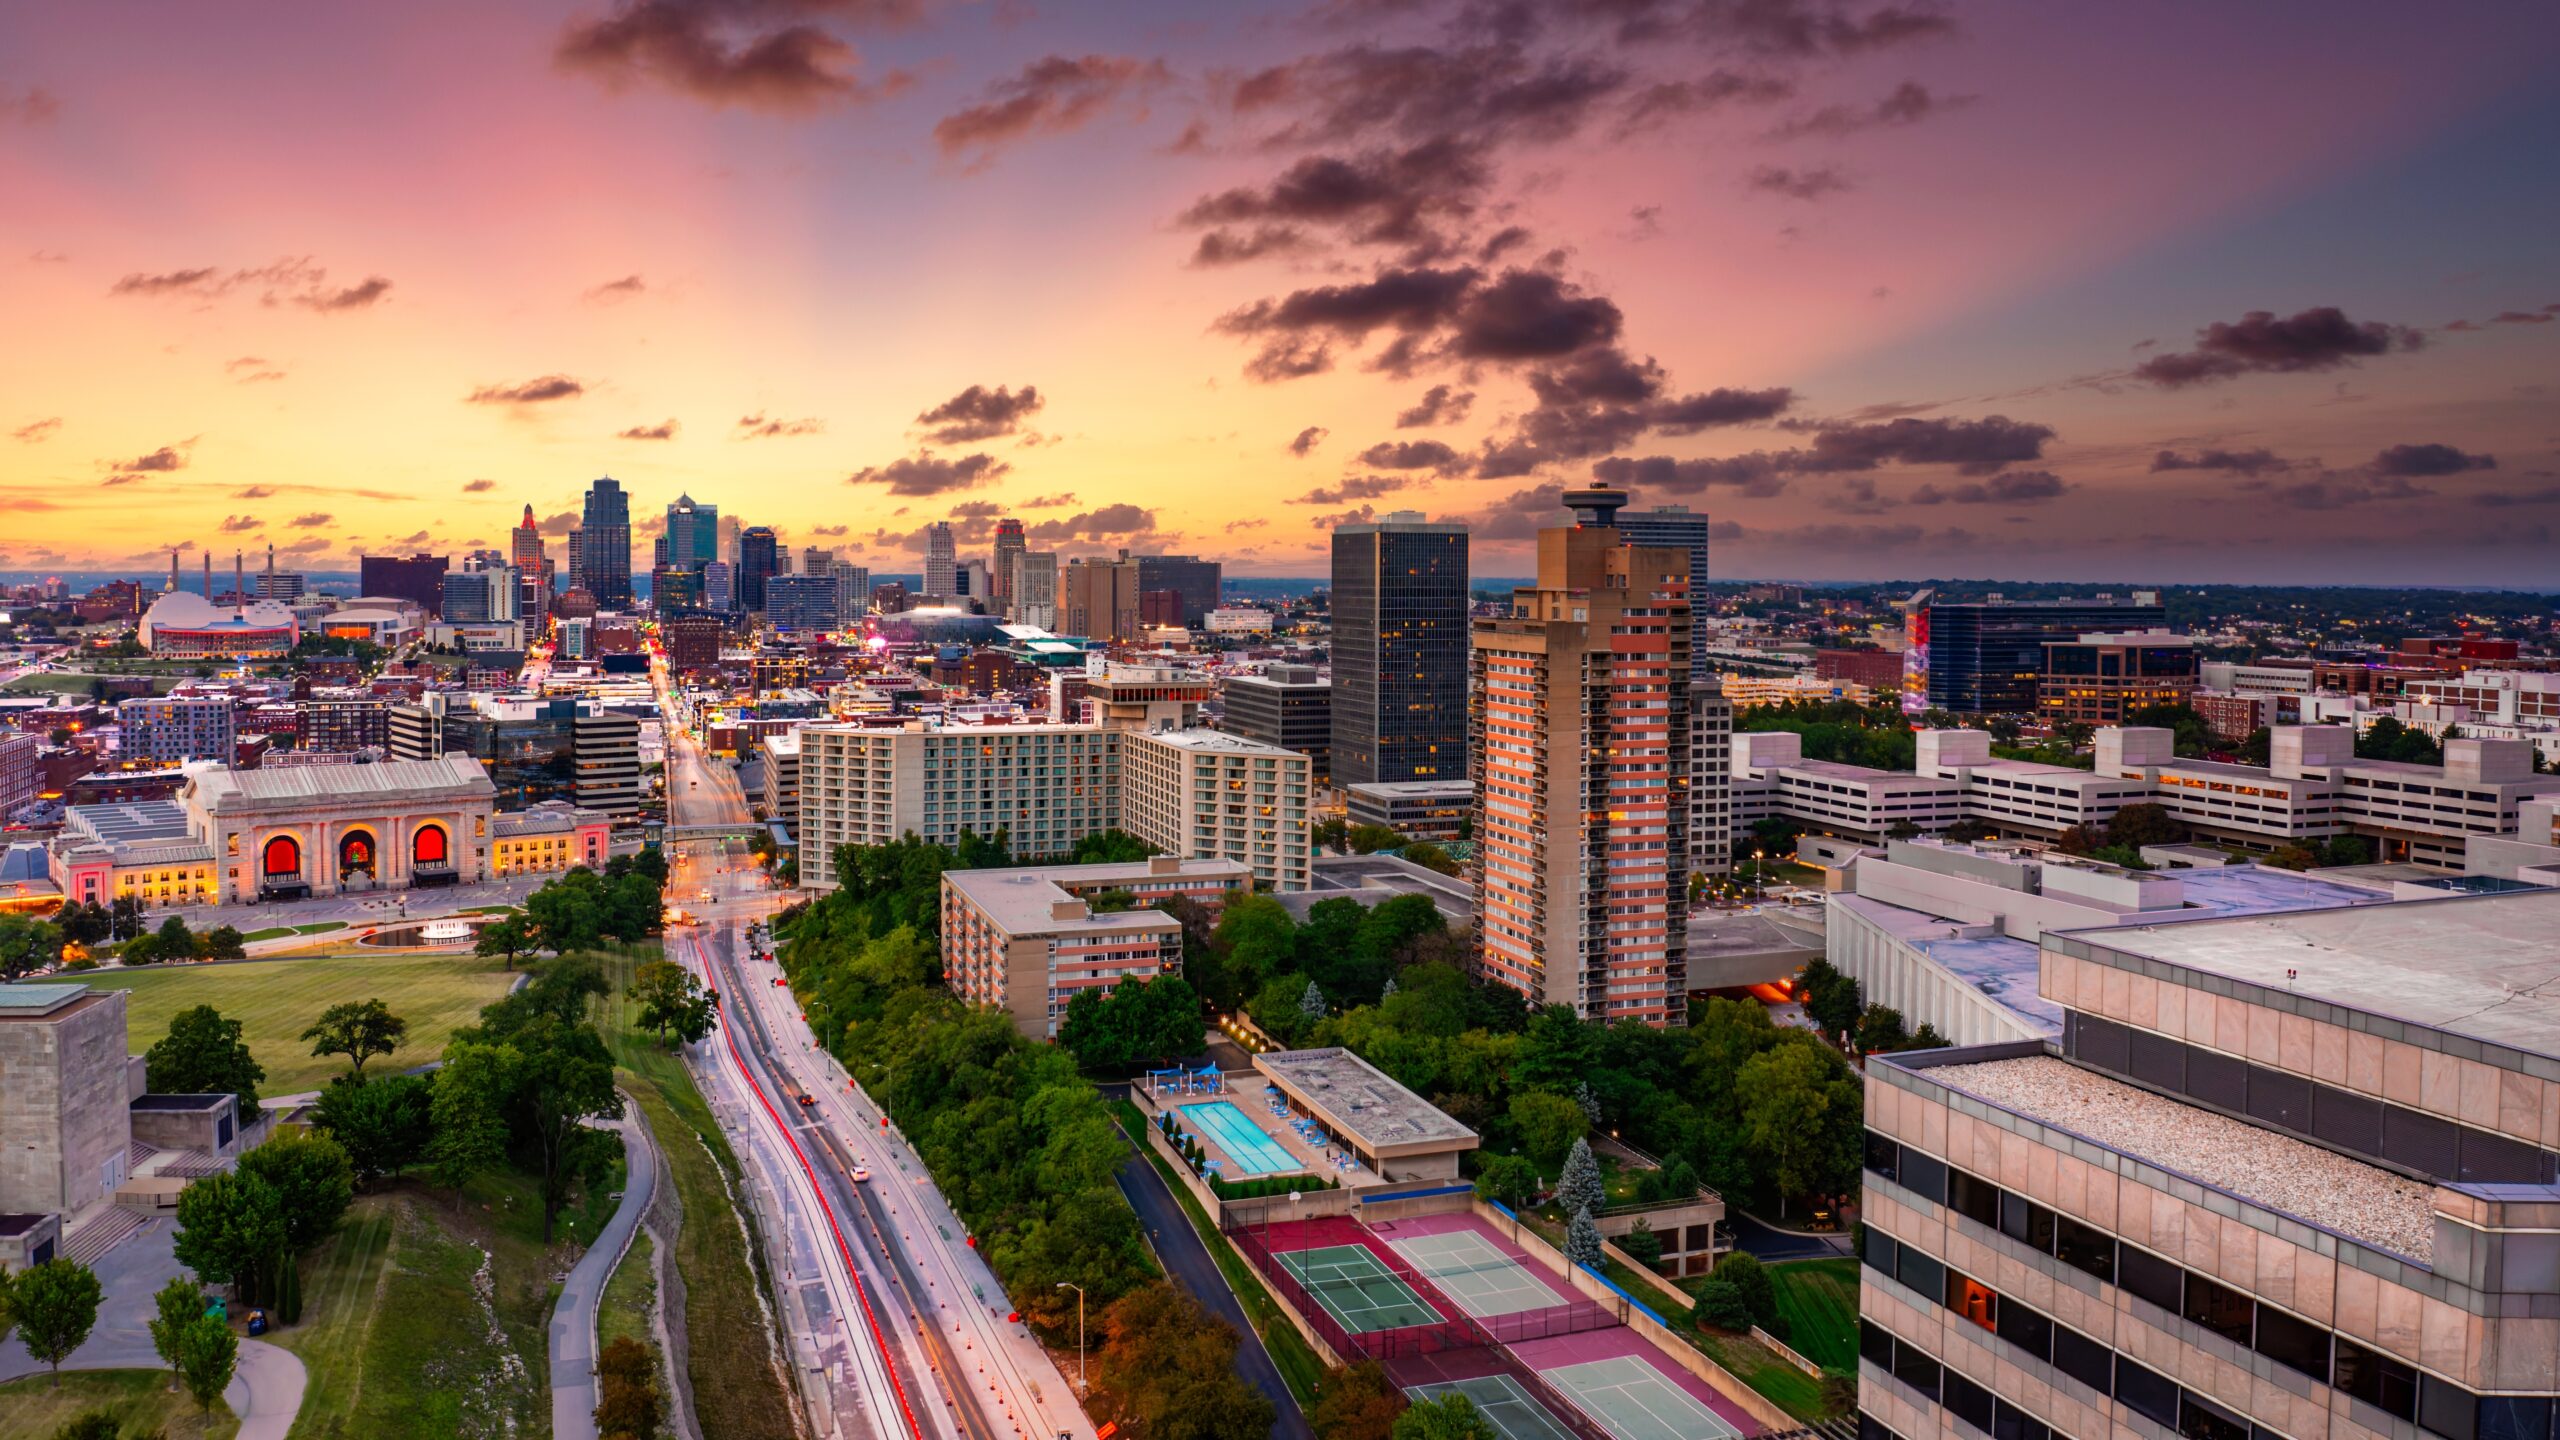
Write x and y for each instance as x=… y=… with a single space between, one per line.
x=56 y=684
x=1299 y=1367
x=273 y=932
x=630 y=1298
x=32 y=1409
x=1819 y=1301
x=322 y=928
x=732 y=1360
x=276 y=1000
x=1759 y=1367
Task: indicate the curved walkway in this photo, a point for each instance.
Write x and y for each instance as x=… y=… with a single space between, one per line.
x=573 y=1319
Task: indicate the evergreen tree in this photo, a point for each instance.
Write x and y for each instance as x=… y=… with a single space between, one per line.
x=1582 y=1240
x=1581 y=1188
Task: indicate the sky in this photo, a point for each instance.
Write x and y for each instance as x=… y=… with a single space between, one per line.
x=2156 y=293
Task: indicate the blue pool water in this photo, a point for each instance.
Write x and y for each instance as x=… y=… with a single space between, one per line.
x=1253 y=1152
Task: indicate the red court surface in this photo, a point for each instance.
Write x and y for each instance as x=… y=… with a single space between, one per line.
x=1609 y=1344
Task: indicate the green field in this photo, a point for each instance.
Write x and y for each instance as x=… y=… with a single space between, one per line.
x=276 y=1000
x=1819 y=1301
x=32 y=1409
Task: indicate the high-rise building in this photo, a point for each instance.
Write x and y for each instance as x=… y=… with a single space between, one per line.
x=941 y=560
x=1290 y=706
x=1035 y=589
x=480 y=593
x=21 y=773
x=1098 y=599
x=804 y=603
x=693 y=534
x=2104 y=679
x=1043 y=786
x=719 y=587
x=533 y=573
x=975 y=583
x=1680 y=528
x=1582 y=733
x=166 y=730
x=815 y=561
x=337 y=726
x=282 y=586
x=854 y=589
x=1008 y=549
x=1987 y=656
x=692 y=642
x=1198 y=581
x=759 y=560
x=418 y=579
x=603 y=553
x=1202 y=794
x=1399 y=651
x=533 y=749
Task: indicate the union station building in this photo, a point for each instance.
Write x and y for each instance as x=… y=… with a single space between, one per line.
x=235 y=837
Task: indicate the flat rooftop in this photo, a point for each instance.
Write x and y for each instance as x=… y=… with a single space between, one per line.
x=1372 y=879
x=28 y=1001
x=2363 y=1202
x=1362 y=1102
x=2482 y=966
x=1022 y=902
x=179 y=1102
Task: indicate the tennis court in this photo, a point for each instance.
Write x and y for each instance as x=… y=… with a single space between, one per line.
x=1634 y=1401
x=1356 y=1290
x=1469 y=1269
x=1513 y=1413
x=1254 y=1152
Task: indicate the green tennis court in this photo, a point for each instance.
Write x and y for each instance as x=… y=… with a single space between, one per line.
x=1634 y=1401
x=1511 y=1411
x=1356 y=1290
x=1468 y=1269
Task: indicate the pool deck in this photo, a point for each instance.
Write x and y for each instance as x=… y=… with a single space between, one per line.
x=1275 y=1161
x=1255 y=1103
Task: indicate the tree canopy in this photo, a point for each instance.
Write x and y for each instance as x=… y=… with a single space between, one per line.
x=357 y=1029
x=203 y=1054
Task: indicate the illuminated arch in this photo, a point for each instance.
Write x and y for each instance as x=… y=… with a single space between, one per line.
x=359 y=853
x=281 y=856
x=430 y=846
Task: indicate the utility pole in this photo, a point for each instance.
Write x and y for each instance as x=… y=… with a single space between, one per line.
x=1081 y=1382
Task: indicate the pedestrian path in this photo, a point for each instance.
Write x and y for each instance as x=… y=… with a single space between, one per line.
x=573 y=1319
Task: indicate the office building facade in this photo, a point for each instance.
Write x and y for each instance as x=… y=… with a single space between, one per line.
x=1028 y=941
x=1290 y=706
x=941 y=560
x=1197 y=581
x=168 y=731
x=418 y=579
x=759 y=560
x=803 y=603
x=1987 y=656
x=1035 y=589
x=2104 y=679
x=1676 y=527
x=1043 y=786
x=1008 y=552
x=1399 y=651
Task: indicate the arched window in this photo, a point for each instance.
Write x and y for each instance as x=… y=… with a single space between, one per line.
x=428 y=846
x=355 y=853
x=282 y=856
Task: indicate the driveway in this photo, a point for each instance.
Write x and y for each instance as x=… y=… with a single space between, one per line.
x=266 y=1391
x=573 y=1319
x=1768 y=1242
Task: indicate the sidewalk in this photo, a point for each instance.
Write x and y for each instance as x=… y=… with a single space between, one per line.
x=573 y=1319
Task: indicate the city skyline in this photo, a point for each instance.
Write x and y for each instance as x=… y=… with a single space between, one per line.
x=1968 y=290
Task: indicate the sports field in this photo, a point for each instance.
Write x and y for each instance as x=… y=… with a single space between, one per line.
x=276 y=1000
x=1634 y=1401
x=1470 y=1270
x=1513 y=1412
x=1356 y=1290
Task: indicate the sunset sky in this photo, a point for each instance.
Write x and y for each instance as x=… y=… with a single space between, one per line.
x=2172 y=291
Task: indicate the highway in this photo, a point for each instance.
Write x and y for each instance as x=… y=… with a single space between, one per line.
x=918 y=1335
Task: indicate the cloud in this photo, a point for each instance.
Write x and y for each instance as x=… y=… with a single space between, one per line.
x=1250 y=522
x=2321 y=338
x=1498 y=90
x=613 y=292
x=2343 y=490
x=37 y=431
x=1402 y=196
x=758 y=427
x=1355 y=487
x=412 y=541
x=979 y=413
x=1058 y=501
x=1229 y=247
x=350 y=297
x=2012 y=487
x=34 y=105
x=1413 y=455
x=312 y=521
x=1757 y=475
x=2540 y=495
x=252 y=369
x=172 y=282
x=1307 y=440
x=479 y=487
x=161 y=461
x=2543 y=316
x=663 y=430
x=1811 y=183
x=253 y=492
x=239 y=524
x=2429 y=460
x=831 y=532
x=1109 y=522
x=312 y=545
x=1910 y=103
x=1666 y=100
x=560 y=524
x=292 y=280
x=2235 y=462
x=1973 y=447
x=925 y=473
x=529 y=392
x=755 y=54
x=1439 y=405
x=1051 y=96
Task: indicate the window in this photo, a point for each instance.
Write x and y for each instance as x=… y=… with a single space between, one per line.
x=1882 y=1250
x=1974 y=1198
x=2027 y=1330
x=2295 y=1342
x=1973 y=1300
x=1875 y=1345
x=1920 y=1273
x=1914 y=1368
x=1969 y=1402
x=2026 y=1222
x=2449 y=1410
x=2201 y=1419
x=2084 y=1360
x=1924 y=1176
x=1884 y=1157
x=2220 y=1309
x=2142 y=1273
x=2147 y=1392
x=2377 y=1380
x=2084 y=1247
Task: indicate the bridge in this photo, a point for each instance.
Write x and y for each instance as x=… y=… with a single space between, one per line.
x=741 y=830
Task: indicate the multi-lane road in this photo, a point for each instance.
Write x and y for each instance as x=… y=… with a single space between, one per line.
x=898 y=1324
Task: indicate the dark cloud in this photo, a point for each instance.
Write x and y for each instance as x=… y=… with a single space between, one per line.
x=170 y=282
x=35 y=431
x=979 y=413
x=977 y=510
x=1058 y=501
x=1519 y=515
x=2505 y=499
x=663 y=430
x=758 y=54
x=1439 y=405
x=2543 y=316
x=420 y=538
x=1233 y=247
x=239 y=524
x=761 y=427
x=1413 y=455
x=2321 y=338
x=1414 y=301
x=1973 y=447
x=479 y=487
x=292 y=280
x=1757 y=475
x=1251 y=522
x=560 y=524
x=1811 y=183
x=1667 y=100
x=2234 y=462
x=1910 y=103
x=351 y=297
x=2429 y=460
x=614 y=291
x=310 y=545
x=1355 y=487
x=2342 y=490
x=312 y=521
x=528 y=392
x=1108 y=523
x=1406 y=196
x=160 y=461
x=831 y=532
x=925 y=473
x=1052 y=95
x=1360 y=515
x=1307 y=440
x=2012 y=487
x=1499 y=90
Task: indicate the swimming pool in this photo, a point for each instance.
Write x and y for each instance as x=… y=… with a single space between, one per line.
x=1252 y=1151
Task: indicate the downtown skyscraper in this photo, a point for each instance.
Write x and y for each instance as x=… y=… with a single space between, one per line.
x=941 y=560
x=1399 y=651
x=1008 y=554
x=1581 y=726
x=600 y=553
x=693 y=534
x=759 y=560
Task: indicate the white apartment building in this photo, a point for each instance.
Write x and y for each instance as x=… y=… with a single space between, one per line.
x=1044 y=786
x=1206 y=794
x=1029 y=940
x=1711 y=819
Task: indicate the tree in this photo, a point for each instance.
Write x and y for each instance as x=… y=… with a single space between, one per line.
x=1332 y=834
x=56 y=1303
x=124 y=918
x=1548 y=1126
x=1431 y=857
x=384 y=1124
x=1580 y=1187
x=628 y=1406
x=1587 y=1100
x=27 y=945
x=222 y=942
x=358 y=1030
x=313 y=1179
x=2145 y=824
x=231 y=1231
x=206 y=1355
x=84 y=924
x=568 y=913
x=2292 y=857
x=1311 y=1003
x=2256 y=749
x=179 y=1304
x=1721 y=1305
x=1511 y=1179
x=2192 y=736
x=203 y=1054
x=1880 y=1029
x=1357 y=1402
x=1795 y=1098
x=671 y=998
x=1750 y=1280
x=1449 y=1417
x=470 y=1112
x=1582 y=1241
x=1110 y=847
x=1642 y=1245
x=503 y=940
x=1831 y=1000
x=1370 y=839
x=90 y=1425
x=2346 y=850
x=564 y=1078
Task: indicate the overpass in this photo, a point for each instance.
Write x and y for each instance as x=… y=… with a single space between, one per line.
x=743 y=830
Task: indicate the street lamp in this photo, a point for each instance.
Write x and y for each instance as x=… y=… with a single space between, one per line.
x=1081 y=1382
x=1759 y=872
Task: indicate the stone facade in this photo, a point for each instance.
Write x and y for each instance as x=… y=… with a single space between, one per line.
x=290 y=834
x=64 y=1127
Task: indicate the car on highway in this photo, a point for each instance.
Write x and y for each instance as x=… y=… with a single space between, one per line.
x=861 y=1173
